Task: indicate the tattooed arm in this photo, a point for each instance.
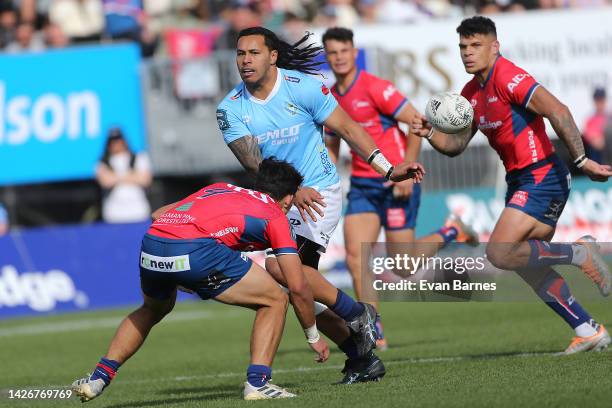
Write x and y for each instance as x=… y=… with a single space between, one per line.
x=247 y=152
x=546 y=104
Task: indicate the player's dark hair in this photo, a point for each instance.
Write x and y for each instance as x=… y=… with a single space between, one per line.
x=298 y=56
x=339 y=34
x=277 y=178
x=476 y=25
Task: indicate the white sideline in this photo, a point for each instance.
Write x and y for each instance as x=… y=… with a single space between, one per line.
x=102 y=323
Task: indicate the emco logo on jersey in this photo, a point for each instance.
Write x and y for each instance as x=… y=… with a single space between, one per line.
x=515 y=81
x=281 y=136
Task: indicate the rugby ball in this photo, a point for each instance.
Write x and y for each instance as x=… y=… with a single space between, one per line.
x=449 y=112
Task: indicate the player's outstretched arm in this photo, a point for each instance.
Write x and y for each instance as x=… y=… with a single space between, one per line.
x=546 y=104
x=361 y=142
x=300 y=295
x=246 y=150
x=449 y=145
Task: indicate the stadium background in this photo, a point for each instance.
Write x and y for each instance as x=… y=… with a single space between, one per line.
x=59 y=97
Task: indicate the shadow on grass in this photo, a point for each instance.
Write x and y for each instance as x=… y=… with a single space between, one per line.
x=199 y=393
x=474 y=357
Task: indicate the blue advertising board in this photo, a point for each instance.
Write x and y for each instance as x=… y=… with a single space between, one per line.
x=56 y=107
x=59 y=269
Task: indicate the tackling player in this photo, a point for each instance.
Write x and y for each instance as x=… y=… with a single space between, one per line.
x=196 y=243
x=509 y=108
x=280 y=110
x=372 y=200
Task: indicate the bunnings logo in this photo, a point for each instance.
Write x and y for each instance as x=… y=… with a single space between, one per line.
x=164 y=263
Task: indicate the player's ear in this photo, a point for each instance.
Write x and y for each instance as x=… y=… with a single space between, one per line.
x=273 y=57
x=287 y=202
x=495 y=47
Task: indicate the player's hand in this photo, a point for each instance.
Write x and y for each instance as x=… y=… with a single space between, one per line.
x=322 y=350
x=408 y=170
x=403 y=189
x=306 y=200
x=419 y=125
x=596 y=171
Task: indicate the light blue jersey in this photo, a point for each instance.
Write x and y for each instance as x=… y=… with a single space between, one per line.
x=287 y=124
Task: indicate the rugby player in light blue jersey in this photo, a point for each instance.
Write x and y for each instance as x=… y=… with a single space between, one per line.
x=280 y=110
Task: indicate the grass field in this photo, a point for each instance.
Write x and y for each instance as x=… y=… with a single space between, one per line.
x=441 y=354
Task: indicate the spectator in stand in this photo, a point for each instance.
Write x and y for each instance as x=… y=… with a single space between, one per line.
x=123 y=176
x=239 y=15
x=8 y=22
x=26 y=40
x=127 y=20
x=4 y=221
x=54 y=37
x=593 y=134
x=34 y=12
x=80 y=20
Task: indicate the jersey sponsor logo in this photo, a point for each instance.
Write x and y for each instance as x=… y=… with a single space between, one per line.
x=223 y=232
x=357 y=104
x=238 y=95
x=292 y=79
x=295 y=221
x=40 y=291
x=324 y=89
x=484 y=124
x=519 y=198
x=388 y=92
x=396 y=217
x=281 y=136
x=492 y=99
x=184 y=207
x=222 y=121
x=516 y=80
x=164 y=263
x=532 y=147
x=291 y=108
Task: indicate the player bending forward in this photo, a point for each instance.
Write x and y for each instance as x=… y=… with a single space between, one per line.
x=196 y=243
x=509 y=107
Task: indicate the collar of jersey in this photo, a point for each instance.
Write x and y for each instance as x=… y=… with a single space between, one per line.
x=490 y=72
x=273 y=92
x=350 y=86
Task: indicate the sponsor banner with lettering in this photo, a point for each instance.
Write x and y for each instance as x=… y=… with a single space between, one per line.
x=61 y=269
x=56 y=108
x=569 y=52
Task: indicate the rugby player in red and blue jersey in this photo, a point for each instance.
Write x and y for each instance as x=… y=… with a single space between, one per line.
x=196 y=244
x=373 y=201
x=509 y=108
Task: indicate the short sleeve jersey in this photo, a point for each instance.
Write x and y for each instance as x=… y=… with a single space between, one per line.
x=288 y=124
x=500 y=112
x=374 y=102
x=242 y=219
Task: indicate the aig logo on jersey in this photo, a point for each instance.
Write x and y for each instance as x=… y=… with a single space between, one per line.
x=515 y=81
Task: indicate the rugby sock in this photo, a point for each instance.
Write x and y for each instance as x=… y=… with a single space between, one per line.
x=258 y=375
x=349 y=348
x=346 y=307
x=547 y=253
x=106 y=370
x=554 y=291
x=448 y=234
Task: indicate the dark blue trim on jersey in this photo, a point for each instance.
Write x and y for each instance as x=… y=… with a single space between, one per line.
x=387 y=122
x=529 y=94
x=399 y=107
x=178 y=240
x=284 y=251
x=521 y=117
x=254 y=230
x=490 y=72
x=351 y=85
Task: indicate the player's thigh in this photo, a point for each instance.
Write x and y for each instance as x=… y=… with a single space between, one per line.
x=400 y=236
x=358 y=229
x=257 y=288
x=516 y=226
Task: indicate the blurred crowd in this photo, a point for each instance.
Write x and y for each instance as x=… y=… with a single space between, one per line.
x=32 y=25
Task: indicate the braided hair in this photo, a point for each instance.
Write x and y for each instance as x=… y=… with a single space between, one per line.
x=296 y=57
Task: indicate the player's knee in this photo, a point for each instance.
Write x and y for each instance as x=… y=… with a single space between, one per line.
x=282 y=300
x=157 y=310
x=353 y=261
x=498 y=256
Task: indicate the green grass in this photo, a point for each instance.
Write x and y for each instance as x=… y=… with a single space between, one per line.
x=441 y=354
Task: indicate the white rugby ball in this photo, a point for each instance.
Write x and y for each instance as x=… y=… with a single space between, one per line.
x=449 y=112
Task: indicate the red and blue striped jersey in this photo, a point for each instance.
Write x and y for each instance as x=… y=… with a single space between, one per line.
x=374 y=102
x=500 y=112
x=242 y=219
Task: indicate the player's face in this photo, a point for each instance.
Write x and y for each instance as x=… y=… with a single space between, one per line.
x=478 y=52
x=254 y=58
x=340 y=56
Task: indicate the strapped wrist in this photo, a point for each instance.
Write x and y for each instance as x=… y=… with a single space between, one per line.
x=312 y=334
